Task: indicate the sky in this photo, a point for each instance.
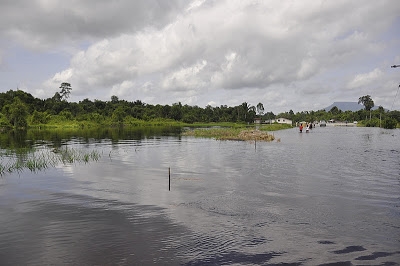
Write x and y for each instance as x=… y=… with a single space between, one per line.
x=288 y=55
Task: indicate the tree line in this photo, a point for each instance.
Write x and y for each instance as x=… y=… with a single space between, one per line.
x=20 y=109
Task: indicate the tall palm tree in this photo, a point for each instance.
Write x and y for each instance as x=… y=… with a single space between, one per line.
x=260 y=109
x=246 y=108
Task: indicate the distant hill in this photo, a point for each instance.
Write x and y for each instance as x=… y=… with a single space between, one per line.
x=347 y=106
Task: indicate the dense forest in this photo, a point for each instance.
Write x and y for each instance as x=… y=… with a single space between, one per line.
x=20 y=109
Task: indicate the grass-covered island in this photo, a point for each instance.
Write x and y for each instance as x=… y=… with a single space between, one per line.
x=239 y=133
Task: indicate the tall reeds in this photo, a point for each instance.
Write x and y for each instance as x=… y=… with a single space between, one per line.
x=43 y=159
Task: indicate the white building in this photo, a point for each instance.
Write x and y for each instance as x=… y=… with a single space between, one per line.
x=271 y=121
x=282 y=120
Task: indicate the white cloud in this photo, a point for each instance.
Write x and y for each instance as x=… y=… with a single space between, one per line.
x=58 y=78
x=40 y=24
x=201 y=52
x=365 y=79
x=185 y=78
x=122 y=89
x=308 y=67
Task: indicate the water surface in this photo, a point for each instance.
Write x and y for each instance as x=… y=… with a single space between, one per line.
x=330 y=196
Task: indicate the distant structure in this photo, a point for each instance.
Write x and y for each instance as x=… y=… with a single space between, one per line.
x=279 y=120
x=347 y=106
x=282 y=120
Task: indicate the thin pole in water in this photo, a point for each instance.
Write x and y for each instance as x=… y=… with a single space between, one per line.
x=169 y=178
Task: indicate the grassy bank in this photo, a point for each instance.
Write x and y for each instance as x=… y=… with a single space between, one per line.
x=132 y=122
x=74 y=124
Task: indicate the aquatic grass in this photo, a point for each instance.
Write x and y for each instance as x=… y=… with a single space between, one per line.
x=35 y=164
x=43 y=159
x=3 y=168
x=17 y=166
x=71 y=155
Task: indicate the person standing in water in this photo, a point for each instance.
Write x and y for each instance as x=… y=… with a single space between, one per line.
x=301 y=128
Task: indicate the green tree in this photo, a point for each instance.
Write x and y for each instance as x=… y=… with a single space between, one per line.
x=335 y=110
x=367 y=102
x=260 y=109
x=4 y=123
x=114 y=99
x=395 y=115
x=269 y=116
x=119 y=114
x=176 y=111
x=16 y=113
x=389 y=123
x=57 y=97
x=40 y=117
x=65 y=90
x=66 y=115
x=247 y=110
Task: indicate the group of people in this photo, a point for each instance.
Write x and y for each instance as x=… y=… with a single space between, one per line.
x=308 y=127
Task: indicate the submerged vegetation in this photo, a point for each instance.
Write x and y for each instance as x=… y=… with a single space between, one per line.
x=43 y=159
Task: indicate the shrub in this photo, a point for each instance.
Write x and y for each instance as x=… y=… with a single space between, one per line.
x=389 y=123
x=40 y=117
x=374 y=122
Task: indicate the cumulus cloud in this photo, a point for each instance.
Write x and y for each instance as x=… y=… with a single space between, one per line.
x=220 y=52
x=39 y=24
x=365 y=79
x=185 y=78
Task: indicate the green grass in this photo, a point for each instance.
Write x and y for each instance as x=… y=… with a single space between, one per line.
x=128 y=122
x=237 y=132
x=274 y=127
x=219 y=124
x=217 y=133
x=230 y=134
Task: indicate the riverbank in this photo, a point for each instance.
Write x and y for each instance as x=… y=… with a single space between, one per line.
x=74 y=124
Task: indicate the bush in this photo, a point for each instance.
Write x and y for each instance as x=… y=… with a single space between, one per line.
x=374 y=122
x=4 y=123
x=389 y=123
x=40 y=118
x=188 y=118
x=66 y=115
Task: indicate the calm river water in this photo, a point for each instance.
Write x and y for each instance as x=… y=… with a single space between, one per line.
x=328 y=197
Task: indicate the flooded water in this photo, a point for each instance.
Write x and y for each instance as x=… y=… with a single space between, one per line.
x=328 y=197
